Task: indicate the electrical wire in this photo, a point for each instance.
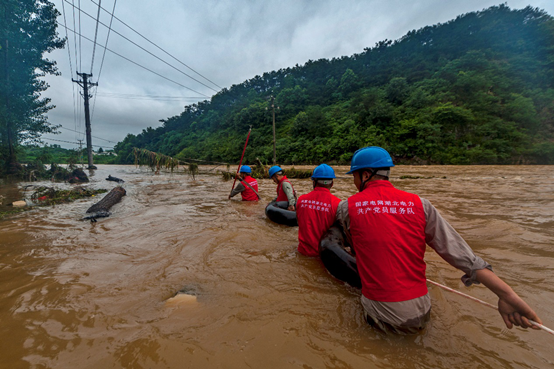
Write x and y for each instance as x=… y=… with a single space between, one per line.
x=100 y=138
x=146 y=97
x=107 y=38
x=137 y=64
x=103 y=56
x=67 y=37
x=76 y=106
x=71 y=142
x=143 y=49
x=132 y=29
x=74 y=35
x=95 y=35
x=70 y=66
x=80 y=37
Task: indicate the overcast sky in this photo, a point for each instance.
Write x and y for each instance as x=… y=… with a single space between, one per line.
x=224 y=41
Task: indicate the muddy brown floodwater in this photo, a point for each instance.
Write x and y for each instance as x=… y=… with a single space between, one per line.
x=76 y=294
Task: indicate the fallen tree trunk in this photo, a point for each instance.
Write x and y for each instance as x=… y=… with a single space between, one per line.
x=102 y=207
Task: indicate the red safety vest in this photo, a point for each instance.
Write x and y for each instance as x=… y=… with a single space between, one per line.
x=315 y=212
x=388 y=234
x=248 y=194
x=281 y=195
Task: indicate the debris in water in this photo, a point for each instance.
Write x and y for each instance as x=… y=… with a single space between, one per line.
x=102 y=207
x=181 y=299
x=114 y=179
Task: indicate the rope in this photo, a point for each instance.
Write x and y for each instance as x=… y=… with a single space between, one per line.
x=487 y=304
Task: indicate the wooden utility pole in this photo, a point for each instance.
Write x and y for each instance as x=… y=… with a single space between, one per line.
x=80 y=151
x=272 y=98
x=84 y=83
x=9 y=132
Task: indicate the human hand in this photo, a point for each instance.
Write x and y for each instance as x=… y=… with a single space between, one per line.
x=515 y=311
x=292 y=208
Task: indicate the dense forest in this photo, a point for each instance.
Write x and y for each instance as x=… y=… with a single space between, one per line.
x=478 y=89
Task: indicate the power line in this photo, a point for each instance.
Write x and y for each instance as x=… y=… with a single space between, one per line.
x=71 y=142
x=132 y=29
x=137 y=64
x=74 y=37
x=135 y=95
x=143 y=49
x=70 y=65
x=103 y=56
x=80 y=37
x=107 y=38
x=69 y=129
x=76 y=106
x=95 y=36
x=67 y=37
x=146 y=97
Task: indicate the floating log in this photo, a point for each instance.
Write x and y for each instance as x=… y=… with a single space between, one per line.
x=102 y=207
x=114 y=179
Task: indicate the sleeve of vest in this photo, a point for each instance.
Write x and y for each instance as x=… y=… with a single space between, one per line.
x=343 y=219
x=287 y=188
x=238 y=189
x=448 y=243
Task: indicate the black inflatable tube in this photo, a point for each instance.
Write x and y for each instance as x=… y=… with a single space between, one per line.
x=336 y=259
x=278 y=213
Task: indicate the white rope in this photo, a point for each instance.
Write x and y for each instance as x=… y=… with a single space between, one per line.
x=486 y=304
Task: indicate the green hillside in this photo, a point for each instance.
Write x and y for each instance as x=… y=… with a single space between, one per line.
x=476 y=90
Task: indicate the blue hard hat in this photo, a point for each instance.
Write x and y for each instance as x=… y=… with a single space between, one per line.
x=245 y=169
x=274 y=169
x=370 y=157
x=323 y=171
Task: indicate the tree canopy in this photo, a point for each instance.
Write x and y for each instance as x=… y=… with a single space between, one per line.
x=27 y=31
x=476 y=90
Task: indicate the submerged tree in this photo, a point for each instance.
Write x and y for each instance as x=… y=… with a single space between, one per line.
x=27 y=31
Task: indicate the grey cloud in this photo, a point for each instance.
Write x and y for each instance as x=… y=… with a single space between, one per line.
x=228 y=42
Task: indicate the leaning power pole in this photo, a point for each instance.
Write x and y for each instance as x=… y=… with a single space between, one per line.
x=80 y=151
x=84 y=83
x=272 y=98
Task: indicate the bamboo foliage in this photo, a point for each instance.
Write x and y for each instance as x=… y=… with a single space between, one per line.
x=155 y=161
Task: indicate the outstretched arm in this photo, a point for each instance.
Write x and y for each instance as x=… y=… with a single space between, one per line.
x=512 y=308
x=451 y=247
x=238 y=189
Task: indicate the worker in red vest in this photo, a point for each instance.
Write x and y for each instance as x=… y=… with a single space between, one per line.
x=285 y=191
x=315 y=211
x=388 y=230
x=247 y=187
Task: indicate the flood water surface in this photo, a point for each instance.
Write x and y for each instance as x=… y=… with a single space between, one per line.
x=75 y=294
